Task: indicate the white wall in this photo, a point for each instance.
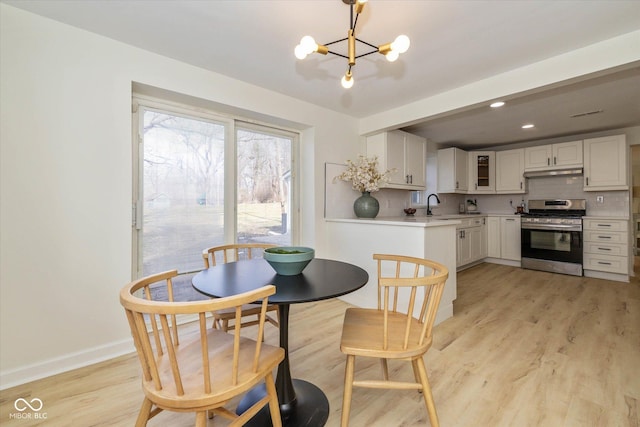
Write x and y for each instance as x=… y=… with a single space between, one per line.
x=65 y=218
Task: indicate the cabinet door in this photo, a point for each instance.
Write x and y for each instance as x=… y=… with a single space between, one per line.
x=493 y=237
x=509 y=170
x=483 y=239
x=415 y=160
x=463 y=255
x=482 y=172
x=537 y=158
x=395 y=157
x=453 y=166
x=510 y=238
x=605 y=163
x=567 y=154
x=476 y=243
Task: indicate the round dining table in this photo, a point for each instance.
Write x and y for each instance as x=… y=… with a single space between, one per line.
x=301 y=402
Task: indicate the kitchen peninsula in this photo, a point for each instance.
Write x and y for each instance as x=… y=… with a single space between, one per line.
x=356 y=240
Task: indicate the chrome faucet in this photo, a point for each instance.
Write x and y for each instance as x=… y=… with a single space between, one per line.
x=429 y=213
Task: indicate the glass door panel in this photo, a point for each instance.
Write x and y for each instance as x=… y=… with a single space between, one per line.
x=182 y=198
x=264 y=187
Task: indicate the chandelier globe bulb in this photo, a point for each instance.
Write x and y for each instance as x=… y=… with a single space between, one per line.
x=392 y=55
x=347 y=80
x=300 y=52
x=401 y=44
x=308 y=44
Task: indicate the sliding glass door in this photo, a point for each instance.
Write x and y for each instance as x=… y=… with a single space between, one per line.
x=202 y=180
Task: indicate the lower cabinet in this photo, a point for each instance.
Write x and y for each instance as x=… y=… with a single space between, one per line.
x=510 y=238
x=606 y=246
x=471 y=245
x=503 y=237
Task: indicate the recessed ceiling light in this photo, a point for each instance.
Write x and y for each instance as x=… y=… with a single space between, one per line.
x=497 y=104
x=527 y=126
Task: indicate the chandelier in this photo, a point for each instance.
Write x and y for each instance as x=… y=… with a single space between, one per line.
x=390 y=50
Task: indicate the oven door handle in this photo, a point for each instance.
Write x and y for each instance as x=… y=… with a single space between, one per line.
x=554 y=227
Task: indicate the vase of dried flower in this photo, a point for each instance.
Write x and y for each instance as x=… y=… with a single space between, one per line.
x=366 y=206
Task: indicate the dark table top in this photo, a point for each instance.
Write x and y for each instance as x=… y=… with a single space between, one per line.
x=321 y=279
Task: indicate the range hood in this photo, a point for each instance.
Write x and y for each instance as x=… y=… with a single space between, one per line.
x=556 y=172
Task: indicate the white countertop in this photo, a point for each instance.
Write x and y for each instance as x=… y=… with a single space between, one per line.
x=619 y=218
x=405 y=221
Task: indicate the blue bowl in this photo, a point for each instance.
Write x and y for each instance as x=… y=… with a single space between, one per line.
x=289 y=260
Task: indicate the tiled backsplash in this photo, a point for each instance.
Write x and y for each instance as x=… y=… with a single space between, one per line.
x=615 y=203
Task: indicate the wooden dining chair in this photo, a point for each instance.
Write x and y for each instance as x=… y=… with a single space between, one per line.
x=231 y=253
x=409 y=293
x=198 y=369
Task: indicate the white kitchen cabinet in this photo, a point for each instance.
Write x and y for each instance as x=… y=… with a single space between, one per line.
x=463 y=248
x=404 y=152
x=503 y=237
x=471 y=241
x=606 y=245
x=605 y=163
x=510 y=238
x=482 y=172
x=493 y=237
x=453 y=169
x=554 y=156
x=415 y=148
x=509 y=171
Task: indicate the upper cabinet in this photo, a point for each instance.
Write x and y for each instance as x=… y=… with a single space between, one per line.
x=605 y=163
x=482 y=172
x=509 y=171
x=453 y=171
x=554 y=156
x=404 y=152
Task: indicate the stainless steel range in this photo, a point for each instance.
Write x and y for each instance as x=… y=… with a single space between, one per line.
x=551 y=235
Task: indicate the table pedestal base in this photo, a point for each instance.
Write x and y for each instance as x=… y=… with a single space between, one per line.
x=310 y=408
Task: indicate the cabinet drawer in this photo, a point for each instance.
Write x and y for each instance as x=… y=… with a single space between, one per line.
x=605 y=249
x=605 y=225
x=605 y=237
x=611 y=264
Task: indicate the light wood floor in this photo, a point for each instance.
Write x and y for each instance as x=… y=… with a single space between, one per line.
x=524 y=348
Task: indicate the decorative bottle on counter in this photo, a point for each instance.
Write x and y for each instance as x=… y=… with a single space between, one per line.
x=366 y=206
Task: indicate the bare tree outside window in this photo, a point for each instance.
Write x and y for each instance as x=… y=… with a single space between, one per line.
x=183 y=189
x=264 y=175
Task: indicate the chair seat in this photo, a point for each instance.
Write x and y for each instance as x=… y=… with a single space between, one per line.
x=362 y=335
x=189 y=354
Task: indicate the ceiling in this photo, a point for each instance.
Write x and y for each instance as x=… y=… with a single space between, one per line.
x=453 y=43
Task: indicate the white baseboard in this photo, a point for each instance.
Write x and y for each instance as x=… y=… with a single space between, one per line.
x=501 y=261
x=444 y=312
x=68 y=362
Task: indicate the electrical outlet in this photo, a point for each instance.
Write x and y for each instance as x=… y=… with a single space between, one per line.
x=600 y=199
